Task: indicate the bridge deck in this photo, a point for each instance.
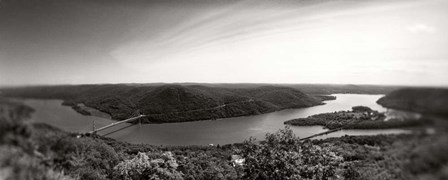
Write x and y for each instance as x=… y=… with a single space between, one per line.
x=321 y=134
x=116 y=123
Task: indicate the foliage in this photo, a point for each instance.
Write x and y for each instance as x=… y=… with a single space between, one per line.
x=430 y=159
x=141 y=167
x=206 y=164
x=77 y=154
x=283 y=156
x=18 y=156
x=40 y=151
x=424 y=100
x=361 y=109
x=17 y=164
x=360 y=118
x=325 y=97
x=172 y=103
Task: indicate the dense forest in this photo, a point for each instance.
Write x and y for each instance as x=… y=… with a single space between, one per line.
x=173 y=103
x=306 y=88
x=424 y=100
x=39 y=151
x=360 y=117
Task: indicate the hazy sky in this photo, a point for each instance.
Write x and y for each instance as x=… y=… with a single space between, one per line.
x=401 y=42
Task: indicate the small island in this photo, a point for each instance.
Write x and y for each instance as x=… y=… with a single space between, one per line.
x=360 y=117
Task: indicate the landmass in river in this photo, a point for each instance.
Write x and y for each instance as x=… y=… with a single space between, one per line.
x=360 y=117
x=173 y=103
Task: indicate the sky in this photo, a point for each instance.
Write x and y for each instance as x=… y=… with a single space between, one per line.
x=398 y=42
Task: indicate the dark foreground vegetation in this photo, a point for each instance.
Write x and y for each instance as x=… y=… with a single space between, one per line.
x=39 y=151
x=360 y=117
x=172 y=103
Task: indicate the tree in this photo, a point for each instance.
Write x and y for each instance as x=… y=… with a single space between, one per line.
x=141 y=167
x=283 y=156
x=361 y=109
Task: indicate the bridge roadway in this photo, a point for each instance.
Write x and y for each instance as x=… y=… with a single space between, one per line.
x=321 y=134
x=329 y=131
x=116 y=123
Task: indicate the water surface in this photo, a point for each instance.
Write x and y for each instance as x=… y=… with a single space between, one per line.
x=222 y=131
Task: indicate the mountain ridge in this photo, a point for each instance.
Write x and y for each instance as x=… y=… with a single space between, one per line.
x=173 y=102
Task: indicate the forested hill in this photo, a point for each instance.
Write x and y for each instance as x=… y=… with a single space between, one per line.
x=425 y=100
x=173 y=102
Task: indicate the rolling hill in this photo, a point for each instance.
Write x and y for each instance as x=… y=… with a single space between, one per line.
x=172 y=102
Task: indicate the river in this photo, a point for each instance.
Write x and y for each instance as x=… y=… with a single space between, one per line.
x=221 y=131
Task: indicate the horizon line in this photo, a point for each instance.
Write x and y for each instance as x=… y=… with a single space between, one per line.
x=218 y=83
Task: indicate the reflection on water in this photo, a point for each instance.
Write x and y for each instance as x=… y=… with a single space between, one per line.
x=223 y=131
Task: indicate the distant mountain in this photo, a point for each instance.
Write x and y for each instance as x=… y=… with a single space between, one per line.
x=172 y=102
x=424 y=100
x=320 y=89
x=343 y=88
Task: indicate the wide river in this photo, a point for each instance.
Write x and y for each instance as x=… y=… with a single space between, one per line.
x=222 y=131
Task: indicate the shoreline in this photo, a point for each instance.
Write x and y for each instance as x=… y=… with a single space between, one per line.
x=81 y=111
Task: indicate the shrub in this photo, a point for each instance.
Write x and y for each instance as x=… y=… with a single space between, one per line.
x=361 y=109
x=283 y=156
x=141 y=167
x=84 y=155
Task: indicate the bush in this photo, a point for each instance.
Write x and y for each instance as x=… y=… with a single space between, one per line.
x=283 y=156
x=83 y=155
x=141 y=167
x=361 y=109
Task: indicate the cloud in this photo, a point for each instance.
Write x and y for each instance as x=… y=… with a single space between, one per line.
x=421 y=28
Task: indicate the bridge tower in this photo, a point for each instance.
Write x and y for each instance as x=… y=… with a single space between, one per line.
x=93 y=125
x=137 y=113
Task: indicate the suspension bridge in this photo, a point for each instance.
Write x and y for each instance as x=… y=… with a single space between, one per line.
x=94 y=131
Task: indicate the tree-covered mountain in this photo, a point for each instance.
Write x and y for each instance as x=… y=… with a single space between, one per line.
x=172 y=102
x=424 y=100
